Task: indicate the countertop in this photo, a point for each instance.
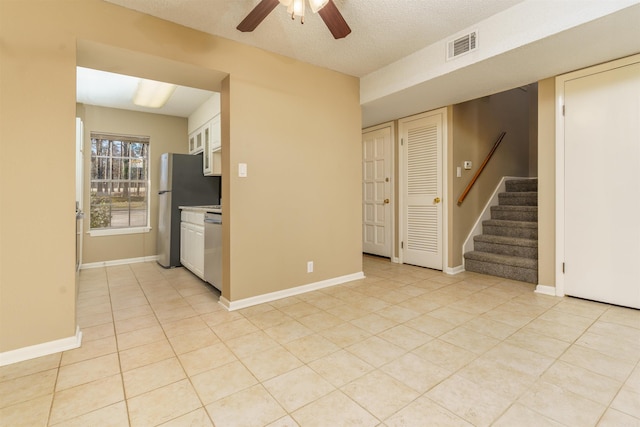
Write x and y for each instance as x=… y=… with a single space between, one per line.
x=208 y=208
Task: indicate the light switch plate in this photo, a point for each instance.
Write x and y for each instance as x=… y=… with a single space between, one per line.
x=242 y=170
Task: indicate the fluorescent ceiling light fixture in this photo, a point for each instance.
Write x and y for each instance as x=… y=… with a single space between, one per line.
x=153 y=94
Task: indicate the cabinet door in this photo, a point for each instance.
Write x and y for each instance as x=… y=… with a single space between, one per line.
x=206 y=157
x=192 y=143
x=199 y=140
x=198 y=250
x=212 y=155
x=216 y=138
x=184 y=238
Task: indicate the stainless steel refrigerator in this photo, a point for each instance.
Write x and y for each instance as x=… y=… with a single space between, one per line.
x=181 y=184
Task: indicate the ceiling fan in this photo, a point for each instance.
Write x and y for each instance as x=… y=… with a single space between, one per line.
x=325 y=8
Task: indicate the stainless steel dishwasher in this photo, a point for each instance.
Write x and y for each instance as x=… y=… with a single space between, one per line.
x=213 y=249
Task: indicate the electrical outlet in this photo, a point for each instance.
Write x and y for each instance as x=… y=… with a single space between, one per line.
x=310 y=267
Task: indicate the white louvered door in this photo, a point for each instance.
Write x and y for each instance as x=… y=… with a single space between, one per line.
x=421 y=138
x=376 y=192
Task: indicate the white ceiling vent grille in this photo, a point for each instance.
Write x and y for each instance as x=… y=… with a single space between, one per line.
x=462 y=45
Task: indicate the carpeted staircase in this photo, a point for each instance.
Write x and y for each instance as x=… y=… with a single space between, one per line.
x=508 y=246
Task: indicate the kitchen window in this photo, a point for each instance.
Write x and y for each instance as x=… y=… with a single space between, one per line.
x=119 y=184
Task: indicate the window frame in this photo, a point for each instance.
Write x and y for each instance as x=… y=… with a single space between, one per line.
x=111 y=137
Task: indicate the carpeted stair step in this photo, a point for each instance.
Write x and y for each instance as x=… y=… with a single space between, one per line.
x=509 y=267
x=518 y=185
x=501 y=245
x=518 y=198
x=515 y=213
x=520 y=229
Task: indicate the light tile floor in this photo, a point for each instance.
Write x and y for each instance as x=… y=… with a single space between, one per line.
x=406 y=346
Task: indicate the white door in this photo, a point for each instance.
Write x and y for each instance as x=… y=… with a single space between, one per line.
x=376 y=192
x=422 y=140
x=602 y=186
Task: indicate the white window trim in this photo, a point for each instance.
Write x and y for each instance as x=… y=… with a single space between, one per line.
x=118 y=231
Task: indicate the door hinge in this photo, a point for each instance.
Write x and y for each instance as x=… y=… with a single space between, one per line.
x=563 y=267
x=563 y=110
x=401 y=245
x=401 y=141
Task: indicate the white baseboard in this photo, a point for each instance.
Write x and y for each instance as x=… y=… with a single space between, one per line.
x=272 y=296
x=39 y=350
x=118 y=262
x=546 y=290
x=454 y=270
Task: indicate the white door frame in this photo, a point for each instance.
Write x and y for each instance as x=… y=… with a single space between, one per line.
x=445 y=188
x=560 y=148
x=392 y=199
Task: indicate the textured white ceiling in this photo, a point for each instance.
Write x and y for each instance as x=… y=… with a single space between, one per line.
x=397 y=47
x=383 y=31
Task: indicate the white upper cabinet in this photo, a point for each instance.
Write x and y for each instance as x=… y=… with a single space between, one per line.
x=213 y=159
x=204 y=135
x=196 y=142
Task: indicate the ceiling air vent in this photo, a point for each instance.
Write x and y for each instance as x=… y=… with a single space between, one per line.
x=462 y=45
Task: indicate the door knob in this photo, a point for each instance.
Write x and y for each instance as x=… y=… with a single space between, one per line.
x=436 y=200
x=386 y=201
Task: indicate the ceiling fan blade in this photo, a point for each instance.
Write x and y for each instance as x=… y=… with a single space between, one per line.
x=334 y=20
x=257 y=15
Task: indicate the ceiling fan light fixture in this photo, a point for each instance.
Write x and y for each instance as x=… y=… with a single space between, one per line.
x=153 y=94
x=327 y=10
x=316 y=5
x=296 y=8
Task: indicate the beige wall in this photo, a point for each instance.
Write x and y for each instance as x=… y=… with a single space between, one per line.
x=546 y=182
x=295 y=125
x=476 y=125
x=167 y=135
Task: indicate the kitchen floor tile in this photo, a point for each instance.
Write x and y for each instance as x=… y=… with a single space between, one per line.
x=27 y=387
x=422 y=409
x=271 y=362
x=340 y=367
x=334 y=409
x=311 y=347
x=298 y=388
x=163 y=404
x=222 y=381
x=469 y=401
x=115 y=415
x=85 y=398
x=253 y=407
x=380 y=393
x=562 y=405
x=149 y=377
x=33 y=412
x=405 y=346
x=87 y=371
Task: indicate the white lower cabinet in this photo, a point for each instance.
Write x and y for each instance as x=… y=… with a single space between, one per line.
x=192 y=242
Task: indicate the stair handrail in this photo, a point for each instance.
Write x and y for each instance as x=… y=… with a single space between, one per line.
x=481 y=168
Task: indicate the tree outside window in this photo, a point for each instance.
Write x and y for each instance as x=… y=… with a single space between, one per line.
x=119 y=181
